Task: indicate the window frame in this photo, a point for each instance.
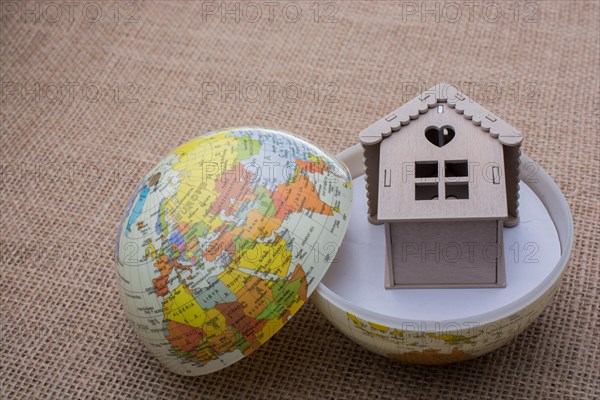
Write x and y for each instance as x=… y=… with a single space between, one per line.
x=460 y=178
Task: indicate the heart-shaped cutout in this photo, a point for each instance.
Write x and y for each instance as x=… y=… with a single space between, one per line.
x=439 y=136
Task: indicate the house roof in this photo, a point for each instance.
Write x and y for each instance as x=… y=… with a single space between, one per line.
x=508 y=136
x=441 y=93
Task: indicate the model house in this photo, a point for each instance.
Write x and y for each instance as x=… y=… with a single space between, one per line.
x=442 y=175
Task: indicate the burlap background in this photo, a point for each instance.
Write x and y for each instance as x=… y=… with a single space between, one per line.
x=70 y=162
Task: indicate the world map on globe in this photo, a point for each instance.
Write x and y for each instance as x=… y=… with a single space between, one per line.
x=224 y=240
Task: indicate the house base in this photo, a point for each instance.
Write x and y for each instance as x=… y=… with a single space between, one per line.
x=445 y=254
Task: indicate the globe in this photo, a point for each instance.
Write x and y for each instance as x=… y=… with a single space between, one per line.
x=224 y=240
x=441 y=326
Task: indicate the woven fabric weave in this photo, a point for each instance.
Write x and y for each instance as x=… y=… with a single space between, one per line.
x=93 y=97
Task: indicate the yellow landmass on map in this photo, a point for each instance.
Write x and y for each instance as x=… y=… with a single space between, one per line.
x=397 y=333
x=181 y=307
x=354 y=319
x=378 y=327
x=272 y=258
x=295 y=306
x=151 y=252
x=201 y=163
x=234 y=279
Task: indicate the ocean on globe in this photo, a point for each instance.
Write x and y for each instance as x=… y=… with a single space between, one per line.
x=224 y=240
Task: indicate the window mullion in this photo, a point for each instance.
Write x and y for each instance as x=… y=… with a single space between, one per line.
x=442 y=175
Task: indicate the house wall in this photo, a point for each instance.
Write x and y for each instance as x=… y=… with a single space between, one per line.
x=512 y=156
x=371 y=160
x=447 y=253
x=399 y=187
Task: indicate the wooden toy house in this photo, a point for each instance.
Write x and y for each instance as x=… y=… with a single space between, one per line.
x=442 y=175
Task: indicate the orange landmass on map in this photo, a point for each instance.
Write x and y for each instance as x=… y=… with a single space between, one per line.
x=235 y=316
x=184 y=338
x=254 y=296
x=183 y=227
x=432 y=356
x=299 y=275
x=164 y=268
x=232 y=185
x=302 y=294
x=213 y=346
x=256 y=226
x=299 y=195
x=224 y=242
